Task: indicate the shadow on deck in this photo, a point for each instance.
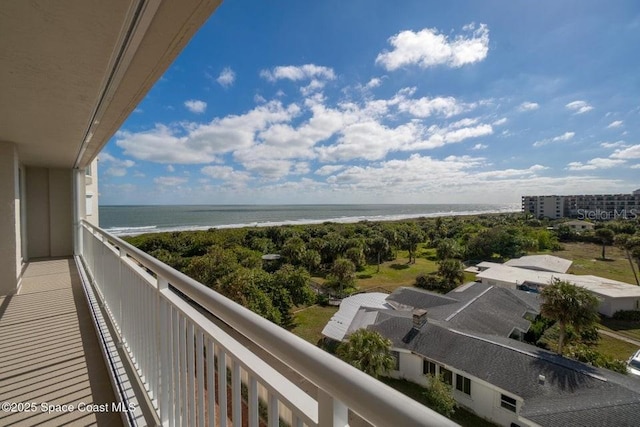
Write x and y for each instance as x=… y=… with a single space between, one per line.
x=49 y=352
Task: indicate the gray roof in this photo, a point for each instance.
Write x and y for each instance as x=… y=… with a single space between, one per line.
x=541 y=262
x=474 y=307
x=590 y=395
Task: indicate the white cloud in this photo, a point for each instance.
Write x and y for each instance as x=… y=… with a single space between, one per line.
x=528 y=106
x=303 y=72
x=225 y=173
x=579 y=107
x=195 y=106
x=564 y=137
x=170 y=168
x=227 y=77
x=635 y=166
x=617 y=144
x=632 y=152
x=428 y=48
x=479 y=147
x=170 y=181
x=500 y=122
x=328 y=169
x=374 y=82
x=116 y=167
x=425 y=107
x=194 y=143
x=593 y=164
x=615 y=124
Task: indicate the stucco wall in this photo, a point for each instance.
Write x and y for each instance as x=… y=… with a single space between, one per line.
x=49 y=212
x=10 y=256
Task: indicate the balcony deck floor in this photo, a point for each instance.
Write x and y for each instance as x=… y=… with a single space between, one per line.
x=49 y=352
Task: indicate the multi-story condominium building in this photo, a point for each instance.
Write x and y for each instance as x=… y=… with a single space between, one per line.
x=597 y=207
x=92 y=330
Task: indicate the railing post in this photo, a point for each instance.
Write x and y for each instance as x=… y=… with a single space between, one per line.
x=331 y=412
x=163 y=345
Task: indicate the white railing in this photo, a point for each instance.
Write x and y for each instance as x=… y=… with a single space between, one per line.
x=171 y=343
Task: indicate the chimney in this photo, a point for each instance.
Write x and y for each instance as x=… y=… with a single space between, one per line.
x=419 y=318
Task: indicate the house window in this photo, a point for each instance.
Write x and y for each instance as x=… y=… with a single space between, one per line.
x=508 y=402
x=428 y=368
x=396 y=358
x=463 y=384
x=447 y=376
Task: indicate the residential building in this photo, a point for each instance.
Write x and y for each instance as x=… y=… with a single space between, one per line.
x=87 y=319
x=577 y=225
x=597 y=207
x=541 y=263
x=467 y=337
x=612 y=295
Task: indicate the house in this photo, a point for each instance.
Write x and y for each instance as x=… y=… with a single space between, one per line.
x=509 y=382
x=577 y=225
x=612 y=294
x=467 y=337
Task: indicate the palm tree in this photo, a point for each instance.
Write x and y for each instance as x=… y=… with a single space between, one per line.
x=451 y=271
x=568 y=304
x=368 y=351
x=606 y=237
x=379 y=245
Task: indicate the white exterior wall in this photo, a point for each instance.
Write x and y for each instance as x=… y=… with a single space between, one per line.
x=608 y=305
x=91 y=194
x=483 y=401
x=500 y=283
x=10 y=213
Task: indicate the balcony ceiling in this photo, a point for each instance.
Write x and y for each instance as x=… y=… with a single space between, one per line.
x=73 y=70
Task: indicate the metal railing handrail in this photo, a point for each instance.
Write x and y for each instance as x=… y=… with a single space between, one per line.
x=371 y=399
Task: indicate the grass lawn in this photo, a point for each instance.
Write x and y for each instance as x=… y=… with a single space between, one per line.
x=416 y=392
x=396 y=273
x=621 y=327
x=615 y=348
x=310 y=322
x=586 y=260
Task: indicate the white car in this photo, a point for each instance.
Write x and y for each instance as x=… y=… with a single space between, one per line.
x=633 y=365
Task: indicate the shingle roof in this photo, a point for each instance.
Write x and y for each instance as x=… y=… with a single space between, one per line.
x=419 y=298
x=569 y=386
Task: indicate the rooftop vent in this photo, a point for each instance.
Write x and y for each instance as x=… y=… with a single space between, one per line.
x=541 y=379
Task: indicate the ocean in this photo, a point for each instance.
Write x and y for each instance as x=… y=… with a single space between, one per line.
x=131 y=220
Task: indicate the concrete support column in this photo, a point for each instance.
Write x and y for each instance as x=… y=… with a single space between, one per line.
x=10 y=239
x=79 y=207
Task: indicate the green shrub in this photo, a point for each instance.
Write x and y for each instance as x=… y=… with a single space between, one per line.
x=627 y=315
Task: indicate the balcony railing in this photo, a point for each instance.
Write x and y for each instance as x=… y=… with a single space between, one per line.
x=205 y=360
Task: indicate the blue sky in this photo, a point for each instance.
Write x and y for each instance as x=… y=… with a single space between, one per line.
x=388 y=102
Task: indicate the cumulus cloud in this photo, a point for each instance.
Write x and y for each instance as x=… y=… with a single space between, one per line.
x=170 y=181
x=479 y=147
x=528 y=106
x=296 y=73
x=194 y=143
x=593 y=164
x=115 y=166
x=632 y=152
x=615 y=124
x=374 y=82
x=195 y=106
x=579 y=107
x=328 y=169
x=170 y=168
x=428 y=48
x=225 y=173
x=617 y=144
x=227 y=77
x=500 y=122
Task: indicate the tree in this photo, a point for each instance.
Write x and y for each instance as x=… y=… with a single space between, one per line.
x=451 y=271
x=410 y=236
x=368 y=351
x=356 y=255
x=622 y=241
x=440 y=396
x=296 y=281
x=568 y=304
x=311 y=259
x=379 y=245
x=342 y=275
x=447 y=248
x=293 y=250
x=606 y=238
